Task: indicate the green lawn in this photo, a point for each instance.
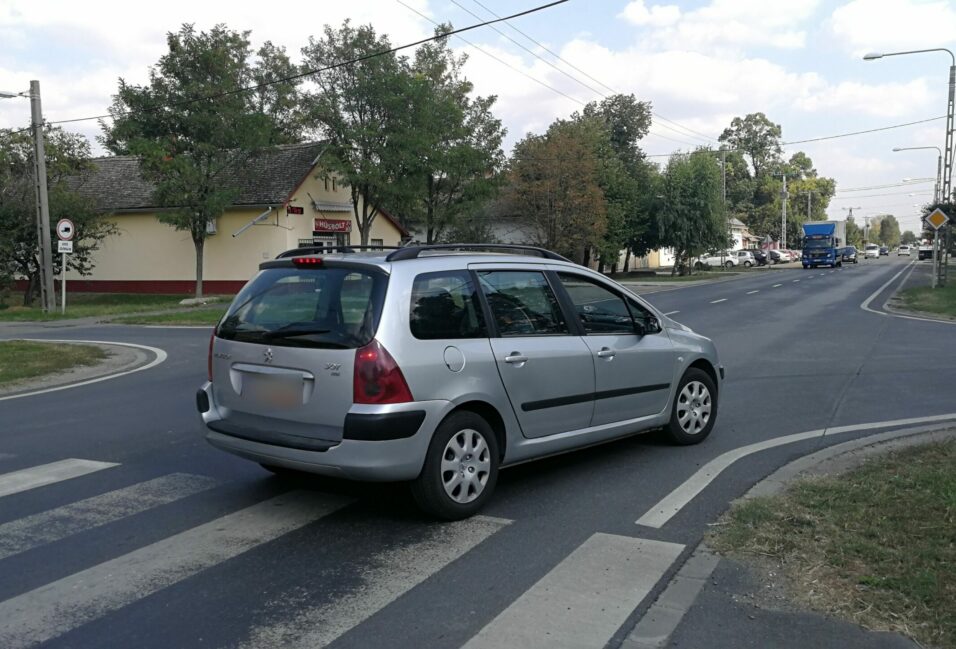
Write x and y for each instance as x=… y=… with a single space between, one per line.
x=81 y=305
x=931 y=300
x=20 y=360
x=876 y=546
x=194 y=317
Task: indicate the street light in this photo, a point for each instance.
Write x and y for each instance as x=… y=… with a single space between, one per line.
x=43 y=207
x=939 y=164
x=947 y=191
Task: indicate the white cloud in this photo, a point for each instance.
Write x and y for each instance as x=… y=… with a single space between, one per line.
x=886 y=25
x=732 y=24
x=657 y=16
x=884 y=100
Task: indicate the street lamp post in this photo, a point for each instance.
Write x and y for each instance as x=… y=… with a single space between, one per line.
x=947 y=192
x=47 y=296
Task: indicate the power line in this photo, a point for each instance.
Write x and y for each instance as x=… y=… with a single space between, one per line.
x=574 y=67
x=853 y=198
x=903 y=184
x=308 y=73
x=532 y=77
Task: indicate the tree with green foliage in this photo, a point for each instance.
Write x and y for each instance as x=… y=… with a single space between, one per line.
x=908 y=238
x=554 y=188
x=854 y=233
x=756 y=137
x=451 y=142
x=889 y=233
x=67 y=157
x=188 y=147
x=363 y=109
x=691 y=215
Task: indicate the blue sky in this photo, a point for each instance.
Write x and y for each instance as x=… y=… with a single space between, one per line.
x=700 y=63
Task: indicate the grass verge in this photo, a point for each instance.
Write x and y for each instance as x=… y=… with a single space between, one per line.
x=940 y=300
x=82 y=305
x=876 y=546
x=21 y=360
x=195 y=317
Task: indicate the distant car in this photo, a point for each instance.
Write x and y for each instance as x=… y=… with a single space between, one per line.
x=903 y=250
x=746 y=258
x=726 y=259
x=884 y=251
x=924 y=252
x=871 y=250
x=849 y=255
x=760 y=256
x=780 y=256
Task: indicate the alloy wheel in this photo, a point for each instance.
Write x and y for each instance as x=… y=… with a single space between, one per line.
x=693 y=407
x=465 y=466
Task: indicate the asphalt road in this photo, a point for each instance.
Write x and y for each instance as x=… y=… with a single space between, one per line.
x=164 y=541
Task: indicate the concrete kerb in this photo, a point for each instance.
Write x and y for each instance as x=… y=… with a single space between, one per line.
x=124 y=358
x=662 y=287
x=656 y=627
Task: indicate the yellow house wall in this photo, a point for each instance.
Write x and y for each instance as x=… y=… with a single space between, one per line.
x=146 y=249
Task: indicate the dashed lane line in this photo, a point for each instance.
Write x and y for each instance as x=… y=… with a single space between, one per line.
x=795 y=281
x=752 y=292
x=723 y=299
x=671 y=312
x=658 y=515
x=777 y=285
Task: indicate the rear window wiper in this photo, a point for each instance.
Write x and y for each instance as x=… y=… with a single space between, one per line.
x=290 y=331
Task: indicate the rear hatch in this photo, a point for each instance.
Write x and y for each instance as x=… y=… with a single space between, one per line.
x=283 y=356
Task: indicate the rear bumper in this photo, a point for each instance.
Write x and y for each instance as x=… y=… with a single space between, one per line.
x=388 y=442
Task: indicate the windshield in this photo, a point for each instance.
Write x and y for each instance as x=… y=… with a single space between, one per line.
x=817 y=243
x=315 y=307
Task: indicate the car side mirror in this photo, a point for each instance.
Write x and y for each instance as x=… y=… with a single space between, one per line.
x=651 y=326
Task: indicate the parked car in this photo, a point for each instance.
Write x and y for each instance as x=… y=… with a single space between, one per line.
x=925 y=251
x=746 y=258
x=441 y=364
x=884 y=251
x=871 y=250
x=726 y=259
x=849 y=255
x=903 y=250
x=760 y=256
x=779 y=257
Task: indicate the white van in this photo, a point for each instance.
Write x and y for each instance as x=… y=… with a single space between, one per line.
x=871 y=250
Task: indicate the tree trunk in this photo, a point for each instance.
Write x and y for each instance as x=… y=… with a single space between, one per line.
x=200 y=244
x=627 y=259
x=33 y=288
x=430 y=214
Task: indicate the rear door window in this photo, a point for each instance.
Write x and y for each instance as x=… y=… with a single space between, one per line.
x=522 y=303
x=323 y=307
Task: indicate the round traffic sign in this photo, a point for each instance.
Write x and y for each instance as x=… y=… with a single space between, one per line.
x=65 y=230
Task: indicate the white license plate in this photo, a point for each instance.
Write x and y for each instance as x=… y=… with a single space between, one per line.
x=273 y=391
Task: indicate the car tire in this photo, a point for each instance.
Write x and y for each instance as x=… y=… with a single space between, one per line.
x=747 y=264
x=698 y=266
x=456 y=441
x=728 y=264
x=695 y=393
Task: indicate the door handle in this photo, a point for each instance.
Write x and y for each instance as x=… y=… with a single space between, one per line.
x=606 y=352
x=515 y=357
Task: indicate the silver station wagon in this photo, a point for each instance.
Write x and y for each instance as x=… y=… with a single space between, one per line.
x=441 y=364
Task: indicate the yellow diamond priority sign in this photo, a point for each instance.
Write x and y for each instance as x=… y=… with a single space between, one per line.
x=937 y=218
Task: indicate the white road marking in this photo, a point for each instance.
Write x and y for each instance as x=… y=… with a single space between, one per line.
x=723 y=299
x=160 y=357
x=866 y=303
x=671 y=312
x=387 y=578
x=56 y=524
x=776 y=285
x=46 y=474
x=585 y=599
x=676 y=500
x=752 y=292
x=796 y=280
x=56 y=608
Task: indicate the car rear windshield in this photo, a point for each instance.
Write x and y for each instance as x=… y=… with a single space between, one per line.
x=322 y=307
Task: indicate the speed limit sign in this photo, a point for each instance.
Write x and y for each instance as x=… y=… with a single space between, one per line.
x=65 y=230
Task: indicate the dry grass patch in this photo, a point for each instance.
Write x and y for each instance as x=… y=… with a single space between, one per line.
x=21 y=360
x=876 y=546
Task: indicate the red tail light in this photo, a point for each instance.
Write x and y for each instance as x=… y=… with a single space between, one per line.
x=212 y=338
x=307 y=262
x=377 y=377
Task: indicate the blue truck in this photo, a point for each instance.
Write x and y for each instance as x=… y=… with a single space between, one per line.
x=823 y=243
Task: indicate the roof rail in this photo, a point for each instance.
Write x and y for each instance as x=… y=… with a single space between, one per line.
x=413 y=252
x=316 y=250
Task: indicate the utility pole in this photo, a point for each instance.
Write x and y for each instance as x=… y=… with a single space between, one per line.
x=723 y=175
x=783 y=217
x=47 y=296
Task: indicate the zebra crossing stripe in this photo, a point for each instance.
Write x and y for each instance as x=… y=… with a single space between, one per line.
x=585 y=599
x=46 y=474
x=388 y=576
x=56 y=524
x=58 y=607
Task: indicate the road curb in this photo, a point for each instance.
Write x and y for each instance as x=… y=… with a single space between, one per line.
x=127 y=358
x=656 y=627
x=665 y=288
